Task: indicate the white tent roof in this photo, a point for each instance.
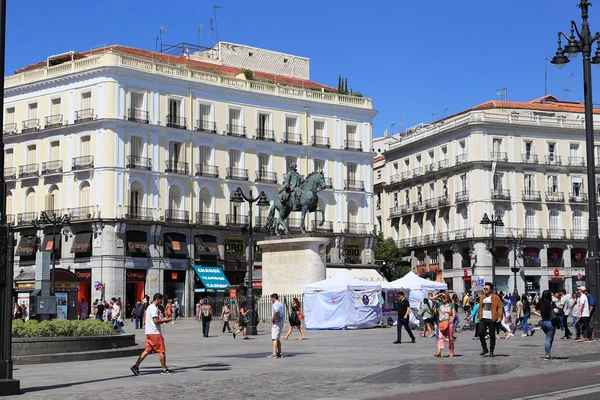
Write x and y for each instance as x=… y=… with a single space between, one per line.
x=338 y=283
x=414 y=282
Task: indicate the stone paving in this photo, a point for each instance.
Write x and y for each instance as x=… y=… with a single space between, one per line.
x=330 y=364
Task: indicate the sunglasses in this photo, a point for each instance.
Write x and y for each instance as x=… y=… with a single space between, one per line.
x=486 y=289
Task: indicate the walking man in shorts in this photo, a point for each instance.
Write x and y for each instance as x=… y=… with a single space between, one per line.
x=278 y=312
x=155 y=342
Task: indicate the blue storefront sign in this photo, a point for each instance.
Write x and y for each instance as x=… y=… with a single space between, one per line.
x=212 y=277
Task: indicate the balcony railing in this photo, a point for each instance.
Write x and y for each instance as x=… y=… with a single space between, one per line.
x=211 y=171
x=533 y=233
x=556 y=233
x=499 y=231
x=430 y=168
x=135 y=162
x=292 y=138
x=461 y=158
x=405 y=175
x=176 y=167
x=320 y=141
x=555 y=197
x=352 y=145
x=354 y=185
x=177 y=216
x=265 y=134
x=532 y=263
x=431 y=203
x=82 y=163
x=141 y=116
x=27 y=218
x=357 y=228
x=10 y=219
x=81 y=213
x=177 y=122
x=260 y=221
x=553 y=160
x=443 y=237
x=443 y=201
x=31 y=125
x=53 y=121
x=29 y=170
x=418 y=241
x=235 y=220
x=236 y=130
x=207 y=219
x=579 y=234
x=418 y=207
x=85 y=115
x=531 y=195
x=578 y=197
x=206 y=126
x=52 y=167
x=499 y=156
x=463 y=233
x=576 y=162
x=328 y=183
x=139 y=213
x=529 y=158
x=443 y=164
x=237 y=174
x=10 y=173
x=397 y=211
x=417 y=172
x=266 y=177
x=500 y=194
x=461 y=197
x=430 y=239
x=327 y=226
x=403 y=243
x=9 y=129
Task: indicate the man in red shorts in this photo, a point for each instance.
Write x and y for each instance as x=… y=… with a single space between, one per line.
x=154 y=339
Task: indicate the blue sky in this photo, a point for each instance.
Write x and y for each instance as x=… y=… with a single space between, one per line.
x=419 y=60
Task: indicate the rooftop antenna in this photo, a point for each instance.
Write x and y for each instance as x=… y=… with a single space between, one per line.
x=216 y=24
x=212 y=42
x=546 y=76
x=502 y=93
x=200 y=30
x=161 y=31
x=157 y=41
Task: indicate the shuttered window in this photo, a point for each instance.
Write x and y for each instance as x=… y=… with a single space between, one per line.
x=31 y=154
x=204 y=155
x=137 y=101
x=263 y=162
x=55 y=107
x=33 y=110
x=351 y=172
x=85 y=146
x=234 y=159
x=84 y=196
x=319 y=128
x=86 y=100
x=10 y=115
x=205 y=112
x=319 y=165
x=234 y=117
x=137 y=146
x=351 y=132
x=205 y=201
x=55 y=151
x=30 y=201
x=9 y=157
x=290 y=125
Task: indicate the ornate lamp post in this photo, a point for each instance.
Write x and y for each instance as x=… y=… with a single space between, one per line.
x=575 y=45
x=517 y=244
x=55 y=220
x=494 y=222
x=237 y=196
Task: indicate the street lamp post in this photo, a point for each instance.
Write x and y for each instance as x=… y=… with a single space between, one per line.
x=55 y=220
x=237 y=196
x=574 y=46
x=517 y=244
x=494 y=222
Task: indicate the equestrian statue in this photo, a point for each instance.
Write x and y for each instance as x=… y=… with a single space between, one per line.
x=295 y=195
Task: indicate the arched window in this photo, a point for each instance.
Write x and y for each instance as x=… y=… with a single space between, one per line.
x=84 y=194
x=9 y=203
x=30 y=200
x=174 y=199
x=52 y=200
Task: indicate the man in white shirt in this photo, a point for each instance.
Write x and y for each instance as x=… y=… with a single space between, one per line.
x=583 y=315
x=155 y=342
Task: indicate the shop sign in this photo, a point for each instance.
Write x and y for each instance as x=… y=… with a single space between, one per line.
x=257 y=285
x=174 y=276
x=133 y=275
x=352 y=253
x=233 y=293
x=579 y=277
x=235 y=248
x=84 y=276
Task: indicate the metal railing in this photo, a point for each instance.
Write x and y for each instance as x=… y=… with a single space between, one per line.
x=206 y=126
x=10 y=219
x=358 y=228
x=355 y=145
x=327 y=226
x=533 y=233
x=207 y=218
x=265 y=134
x=211 y=171
x=443 y=164
x=29 y=170
x=9 y=129
x=579 y=234
x=139 y=213
x=576 y=162
x=443 y=237
x=177 y=122
x=430 y=239
x=500 y=194
x=405 y=175
x=136 y=162
x=53 y=121
x=85 y=115
x=354 y=185
x=10 y=173
x=417 y=172
x=403 y=243
x=141 y=116
x=266 y=176
x=461 y=158
x=81 y=213
x=531 y=195
x=398 y=211
x=555 y=197
x=430 y=168
x=499 y=156
x=83 y=162
x=529 y=158
x=462 y=196
x=177 y=216
x=292 y=138
x=176 y=167
x=237 y=174
x=443 y=201
x=552 y=160
x=556 y=233
x=236 y=220
x=580 y=197
x=236 y=130
x=27 y=218
x=31 y=125
x=431 y=203
x=463 y=233
x=320 y=141
x=52 y=167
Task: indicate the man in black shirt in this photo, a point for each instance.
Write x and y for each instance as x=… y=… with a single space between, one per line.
x=403 y=312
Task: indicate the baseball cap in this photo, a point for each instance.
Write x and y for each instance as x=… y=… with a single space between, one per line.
x=582 y=288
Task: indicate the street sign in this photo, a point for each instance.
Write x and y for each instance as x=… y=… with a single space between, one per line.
x=465 y=272
x=100 y=286
x=579 y=277
x=480 y=281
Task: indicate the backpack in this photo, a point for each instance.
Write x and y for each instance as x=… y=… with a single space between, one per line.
x=205 y=311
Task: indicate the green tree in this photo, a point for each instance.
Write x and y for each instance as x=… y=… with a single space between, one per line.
x=387 y=251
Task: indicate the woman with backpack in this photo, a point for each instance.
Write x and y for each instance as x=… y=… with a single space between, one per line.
x=426 y=313
x=295 y=320
x=548 y=310
x=205 y=316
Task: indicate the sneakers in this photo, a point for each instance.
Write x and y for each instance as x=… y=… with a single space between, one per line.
x=397 y=342
x=525 y=335
x=166 y=372
x=135 y=370
x=578 y=339
x=234 y=335
x=589 y=340
x=272 y=356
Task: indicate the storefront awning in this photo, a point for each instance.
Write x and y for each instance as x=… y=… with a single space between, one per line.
x=51 y=241
x=211 y=277
x=82 y=243
x=363 y=274
x=137 y=243
x=176 y=244
x=24 y=248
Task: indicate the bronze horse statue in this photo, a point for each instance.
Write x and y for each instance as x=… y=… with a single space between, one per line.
x=306 y=201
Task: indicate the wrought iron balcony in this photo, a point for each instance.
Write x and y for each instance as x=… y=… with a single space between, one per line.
x=405 y=175
x=403 y=243
x=320 y=141
x=499 y=156
x=461 y=158
x=207 y=219
x=135 y=115
x=294 y=224
x=53 y=121
x=176 y=167
x=430 y=239
x=139 y=213
x=10 y=173
x=52 y=167
x=27 y=218
x=580 y=234
x=210 y=171
x=555 y=197
x=236 y=130
x=81 y=213
x=443 y=237
x=418 y=241
x=206 y=126
x=237 y=174
x=499 y=231
x=29 y=170
x=266 y=177
x=83 y=163
x=431 y=203
x=235 y=220
x=461 y=197
x=397 y=211
x=576 y=162
x=500 y=194
x=10 y=219
x=395 y=178
x=580 y=197
x=556 y=233
x=430 y=168
x=9 y=129
x=31 y=125
x=327 y=226
x=265 y=134
x=529 y=158
x=418 y=207
x=531 y=195
x=85 y=115
x=533 y=233
x=354 y=185
x=463 y=233
x=135 y=162
x=417 y=172
x=357 y=228
x=355 y=145
x=553 y=160
x=177 y=122
x=177 y=216
x=443 y=164
x=292 y=138
x=443 y=201
x=260 y=221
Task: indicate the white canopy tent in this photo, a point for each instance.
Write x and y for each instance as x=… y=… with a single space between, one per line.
x=342 y=302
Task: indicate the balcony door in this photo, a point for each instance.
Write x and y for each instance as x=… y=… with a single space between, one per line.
x=578 y=223
x=574 y=152
x=86 y=100
x=577 y=186
x=174 y=106
x=30 y=201
x=351 y=134
x=552 y=184
x=234 y=118
x=319 y=129
x=205 y=155
x=498 y=181
x=554 y=221
x=52 y=201
x=234 y=159
x=263 y=164
x=175 y=153
x=174 y=198
x=290 y=127
x=31 y=154
x=55 y=151
x=137 y=147
x=84 y=195
x=352 y=213
x=85 y=146
x=352 y=168
x=529 y=183
x=135 y=198
x=530 y=222
x=263 y=125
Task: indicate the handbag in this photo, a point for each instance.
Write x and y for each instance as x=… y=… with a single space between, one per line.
x=300 y=315
x=444 y=325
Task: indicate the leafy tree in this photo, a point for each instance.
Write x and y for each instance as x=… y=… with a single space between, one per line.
x=387 y=251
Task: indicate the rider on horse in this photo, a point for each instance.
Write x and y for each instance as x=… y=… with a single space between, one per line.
x=291 y=181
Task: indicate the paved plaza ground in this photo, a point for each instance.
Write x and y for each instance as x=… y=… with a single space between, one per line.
x=358 y=364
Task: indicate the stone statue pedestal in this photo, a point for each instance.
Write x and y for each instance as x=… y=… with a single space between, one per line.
x=289 y=264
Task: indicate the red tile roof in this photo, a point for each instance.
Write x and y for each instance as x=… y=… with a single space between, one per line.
x=546 y=103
